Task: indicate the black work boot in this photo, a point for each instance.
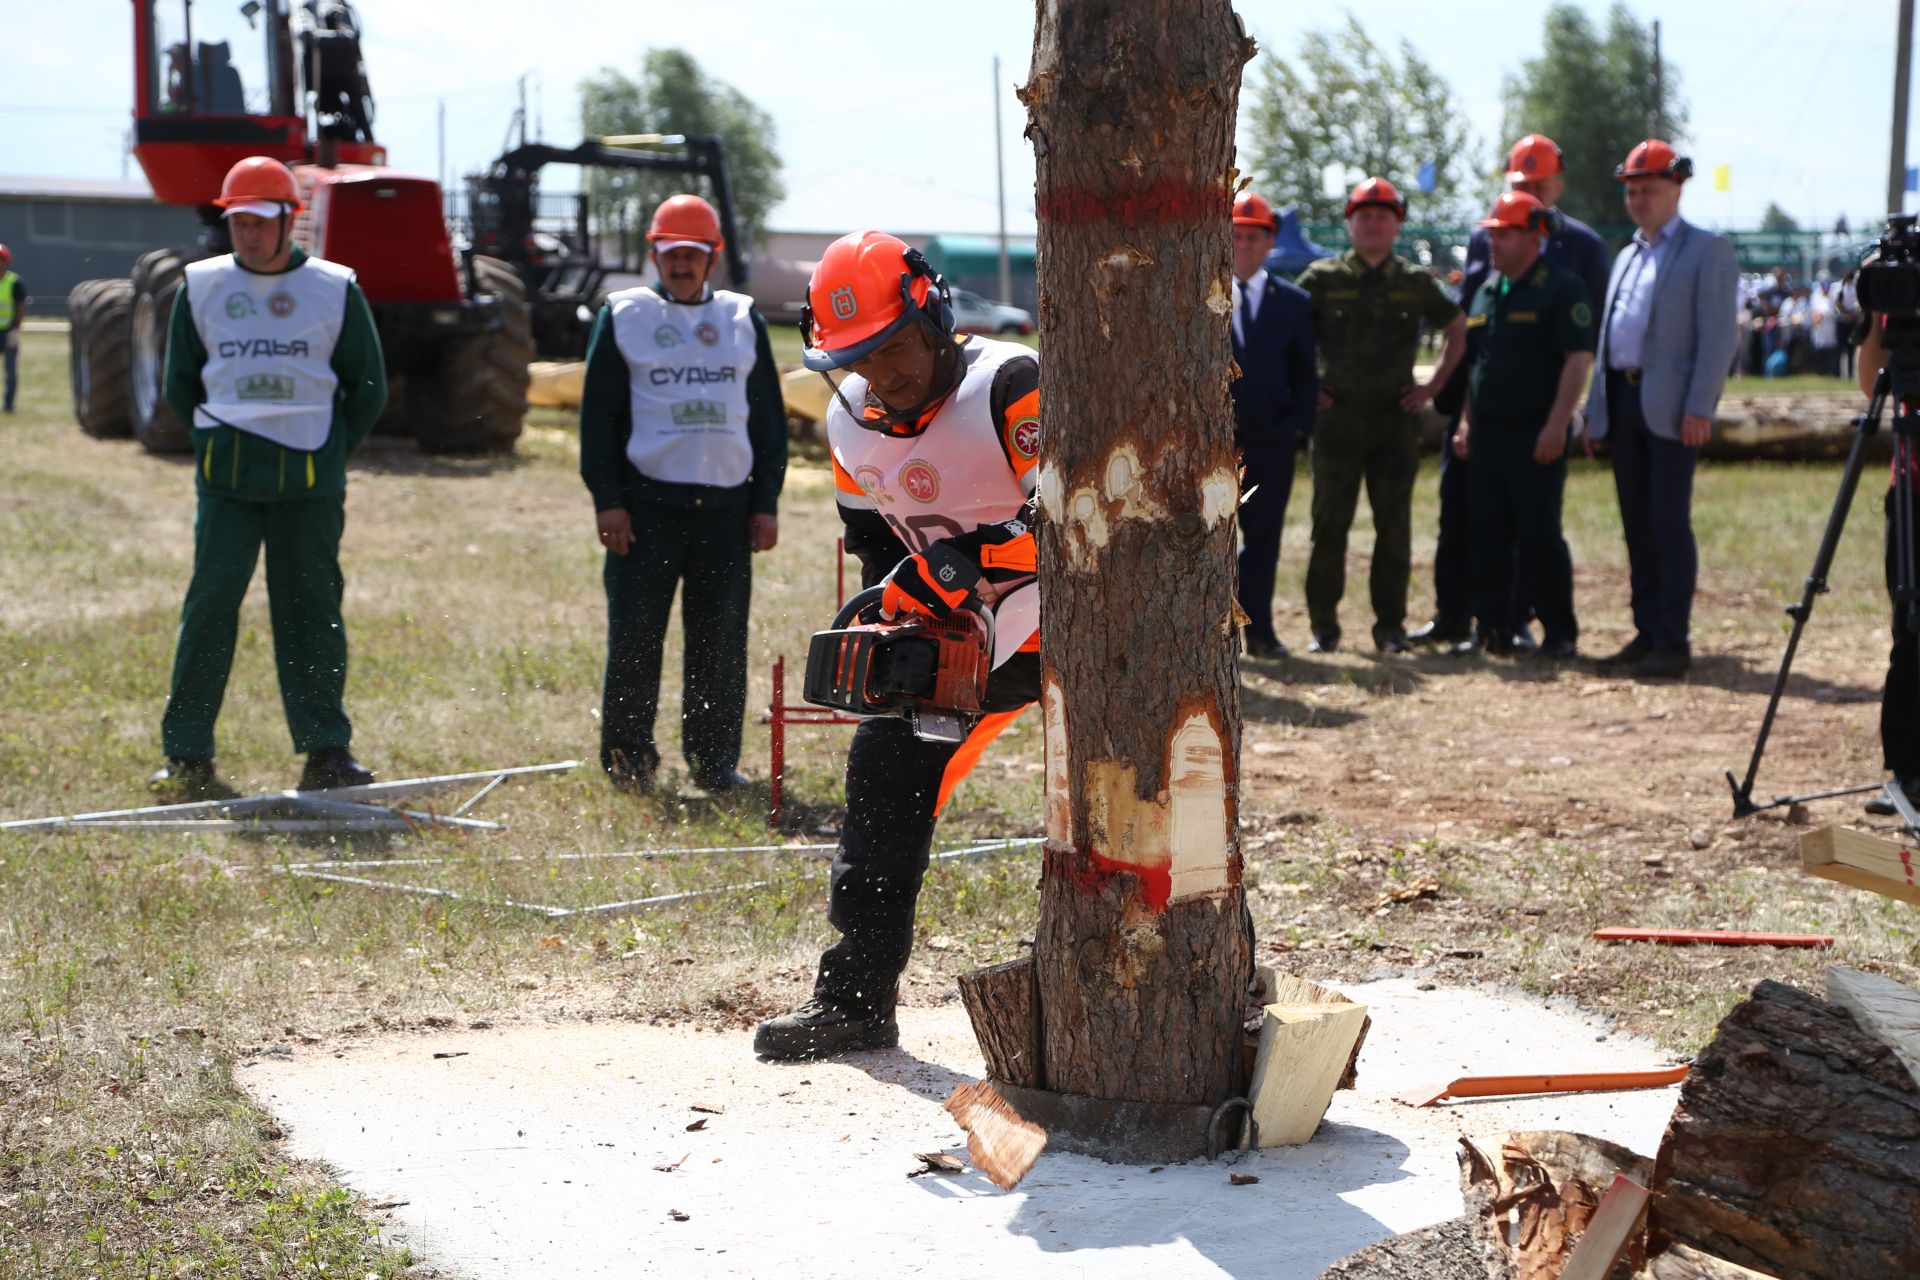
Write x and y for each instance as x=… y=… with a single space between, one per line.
x=820 y=1029
x=630 y=768
x=188 y=778
x=331 y=767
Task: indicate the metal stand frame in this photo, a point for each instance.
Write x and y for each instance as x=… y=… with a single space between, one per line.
x=337 y=809
x=1906 y=596
x=781 y=713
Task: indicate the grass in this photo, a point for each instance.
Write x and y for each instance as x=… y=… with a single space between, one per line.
x=138 y=971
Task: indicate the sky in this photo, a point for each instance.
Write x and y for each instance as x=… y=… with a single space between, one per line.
x=1794 y=96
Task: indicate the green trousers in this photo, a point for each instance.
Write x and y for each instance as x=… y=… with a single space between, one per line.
x=1378 y=446
x=303 y=597
x=704 y=551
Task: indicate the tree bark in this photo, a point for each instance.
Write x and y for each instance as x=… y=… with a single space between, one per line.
x=1143 y=951
x=1795 y=1148
x=1006 y=1020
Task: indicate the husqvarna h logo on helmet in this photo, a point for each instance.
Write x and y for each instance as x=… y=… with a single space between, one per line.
x=843 y=303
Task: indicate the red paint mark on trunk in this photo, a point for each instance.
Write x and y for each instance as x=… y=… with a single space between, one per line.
x=1906 y=862
x=1149 y=204
x=1089 y=871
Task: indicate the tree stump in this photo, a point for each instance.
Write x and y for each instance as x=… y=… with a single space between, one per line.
x=1143 y=951
x=1795 y=1148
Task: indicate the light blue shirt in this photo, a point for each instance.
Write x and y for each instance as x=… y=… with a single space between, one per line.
x=1633 y=301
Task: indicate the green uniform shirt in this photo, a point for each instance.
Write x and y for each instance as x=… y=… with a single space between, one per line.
x=1366 y=324
x=249 y=467
x=1518 y=335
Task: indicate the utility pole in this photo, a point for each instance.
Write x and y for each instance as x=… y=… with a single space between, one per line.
x=443 y=145
x=523 y=108
x=1902 y=78
x=1659 y=86
x=1000 y=186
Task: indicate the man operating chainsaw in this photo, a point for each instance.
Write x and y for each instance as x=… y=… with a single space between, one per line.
x=934 y=441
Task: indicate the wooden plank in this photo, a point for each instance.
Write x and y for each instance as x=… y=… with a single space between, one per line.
x=1883 y=1008
x=1304 y=1051
x=1002 y=1002
x=1613 y=1226
x=1713 y=937
x=1885 y=867
x=1287 y=988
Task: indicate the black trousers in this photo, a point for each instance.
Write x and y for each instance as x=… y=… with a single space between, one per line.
x=1900 y=699
x=1453 y=553
x=1268 y=471
x=1653 y=479
x=893 y=783
x=704 y=551
x=1516 y=504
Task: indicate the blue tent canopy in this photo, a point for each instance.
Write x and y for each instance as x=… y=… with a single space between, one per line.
x=1292 y=251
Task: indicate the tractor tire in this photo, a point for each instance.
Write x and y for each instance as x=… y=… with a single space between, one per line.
x=157 y=278
x=97 y=354
x=478 y=403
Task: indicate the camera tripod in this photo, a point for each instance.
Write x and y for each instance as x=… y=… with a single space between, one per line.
x=1902 y=362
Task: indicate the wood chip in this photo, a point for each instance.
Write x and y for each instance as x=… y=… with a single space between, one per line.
x=678 y=1216
x=458 y=1053
x=697 y=1125
x=669 y=1168
x=1001 y=1144
x=712 y=1111
x=1242 y=1179
x=391 y=1204
x=935 y=1162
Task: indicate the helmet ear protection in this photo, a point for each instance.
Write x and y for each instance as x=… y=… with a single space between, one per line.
x=937 y=310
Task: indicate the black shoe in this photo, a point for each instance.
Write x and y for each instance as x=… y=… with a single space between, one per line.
x=1324 y=642
x=1556 y=650
x=1441 y=633
x=1881 y=807
x=630 y=768
x=1395 y=643
x=820 y=1028
x=1634 y=650
x=720 y=781
x=331 y=767
x=189 y=778
x=1495 y=642
x=1262 y=648
x=1660 y=664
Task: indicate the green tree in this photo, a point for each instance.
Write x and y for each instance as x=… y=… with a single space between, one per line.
x=1777 y=219
x=672 y=94
x=1594 y=96
x=1346 y=102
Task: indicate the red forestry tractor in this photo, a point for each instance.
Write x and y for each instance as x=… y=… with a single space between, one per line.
x=216 y=82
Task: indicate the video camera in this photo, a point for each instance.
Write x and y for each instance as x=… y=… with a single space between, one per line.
x=1889 y=285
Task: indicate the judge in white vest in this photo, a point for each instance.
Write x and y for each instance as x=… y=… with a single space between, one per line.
x=683 y=447
x=273 y=359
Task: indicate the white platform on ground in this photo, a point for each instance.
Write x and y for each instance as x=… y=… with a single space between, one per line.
x=531 y=1151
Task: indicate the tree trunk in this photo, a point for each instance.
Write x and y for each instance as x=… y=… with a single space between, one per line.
x=1795 y=1148
x=1143 y=951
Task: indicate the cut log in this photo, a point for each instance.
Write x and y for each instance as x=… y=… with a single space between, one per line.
x=1286 y=988
x=1538 y=1196
x=1304 y=1050
x=1683 y=1263
x=1882 y=1008
x=1001 y=1002
x=1795 y=1149
x=1886 y=867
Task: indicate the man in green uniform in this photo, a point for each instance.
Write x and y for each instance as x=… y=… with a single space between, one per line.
x=13 y=309
x=1530 y=336
x=1368 y=307
x=683 y=447
x=273 y=359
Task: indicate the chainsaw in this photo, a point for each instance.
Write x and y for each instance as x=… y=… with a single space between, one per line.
x=931 y=671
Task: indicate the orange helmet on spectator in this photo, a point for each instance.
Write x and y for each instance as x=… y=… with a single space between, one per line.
x=868 y=287
x=1249 y=210
x=685 y=221
x=1654 y=158
x=1518 y=210
x=1377 y=191
x=6 y=257
x=1534 y=157
x=259 y=185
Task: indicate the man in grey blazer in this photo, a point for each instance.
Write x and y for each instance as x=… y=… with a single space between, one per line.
x=1667 y=338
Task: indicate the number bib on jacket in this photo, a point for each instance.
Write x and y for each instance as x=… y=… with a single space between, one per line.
x=687 y=367
x=270 y=341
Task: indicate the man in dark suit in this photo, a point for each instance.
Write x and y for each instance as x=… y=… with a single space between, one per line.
x=1667 y=339
x=1273 y=406
x=1534 y=168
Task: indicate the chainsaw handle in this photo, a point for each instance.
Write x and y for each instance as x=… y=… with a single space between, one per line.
x=859 y=602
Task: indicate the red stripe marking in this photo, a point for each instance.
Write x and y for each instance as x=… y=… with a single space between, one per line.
x=1144 y=204
x=1089 y=871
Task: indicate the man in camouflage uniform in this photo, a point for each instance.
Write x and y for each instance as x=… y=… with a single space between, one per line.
x=1368 y=306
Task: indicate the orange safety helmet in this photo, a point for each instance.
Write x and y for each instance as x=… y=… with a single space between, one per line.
x=257 y=182
x=686 y=219
x=1518 y=210
x=1377 y=191
x=868 y=287
x=6 y=256
x=1534 y=157
x=1654 y=158
x=1249 y=210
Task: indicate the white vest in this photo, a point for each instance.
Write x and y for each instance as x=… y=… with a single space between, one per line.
x=687 y=367
x=270 y=341
x=948 y=480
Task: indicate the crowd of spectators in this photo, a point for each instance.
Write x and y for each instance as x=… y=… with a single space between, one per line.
x=1790 y=326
